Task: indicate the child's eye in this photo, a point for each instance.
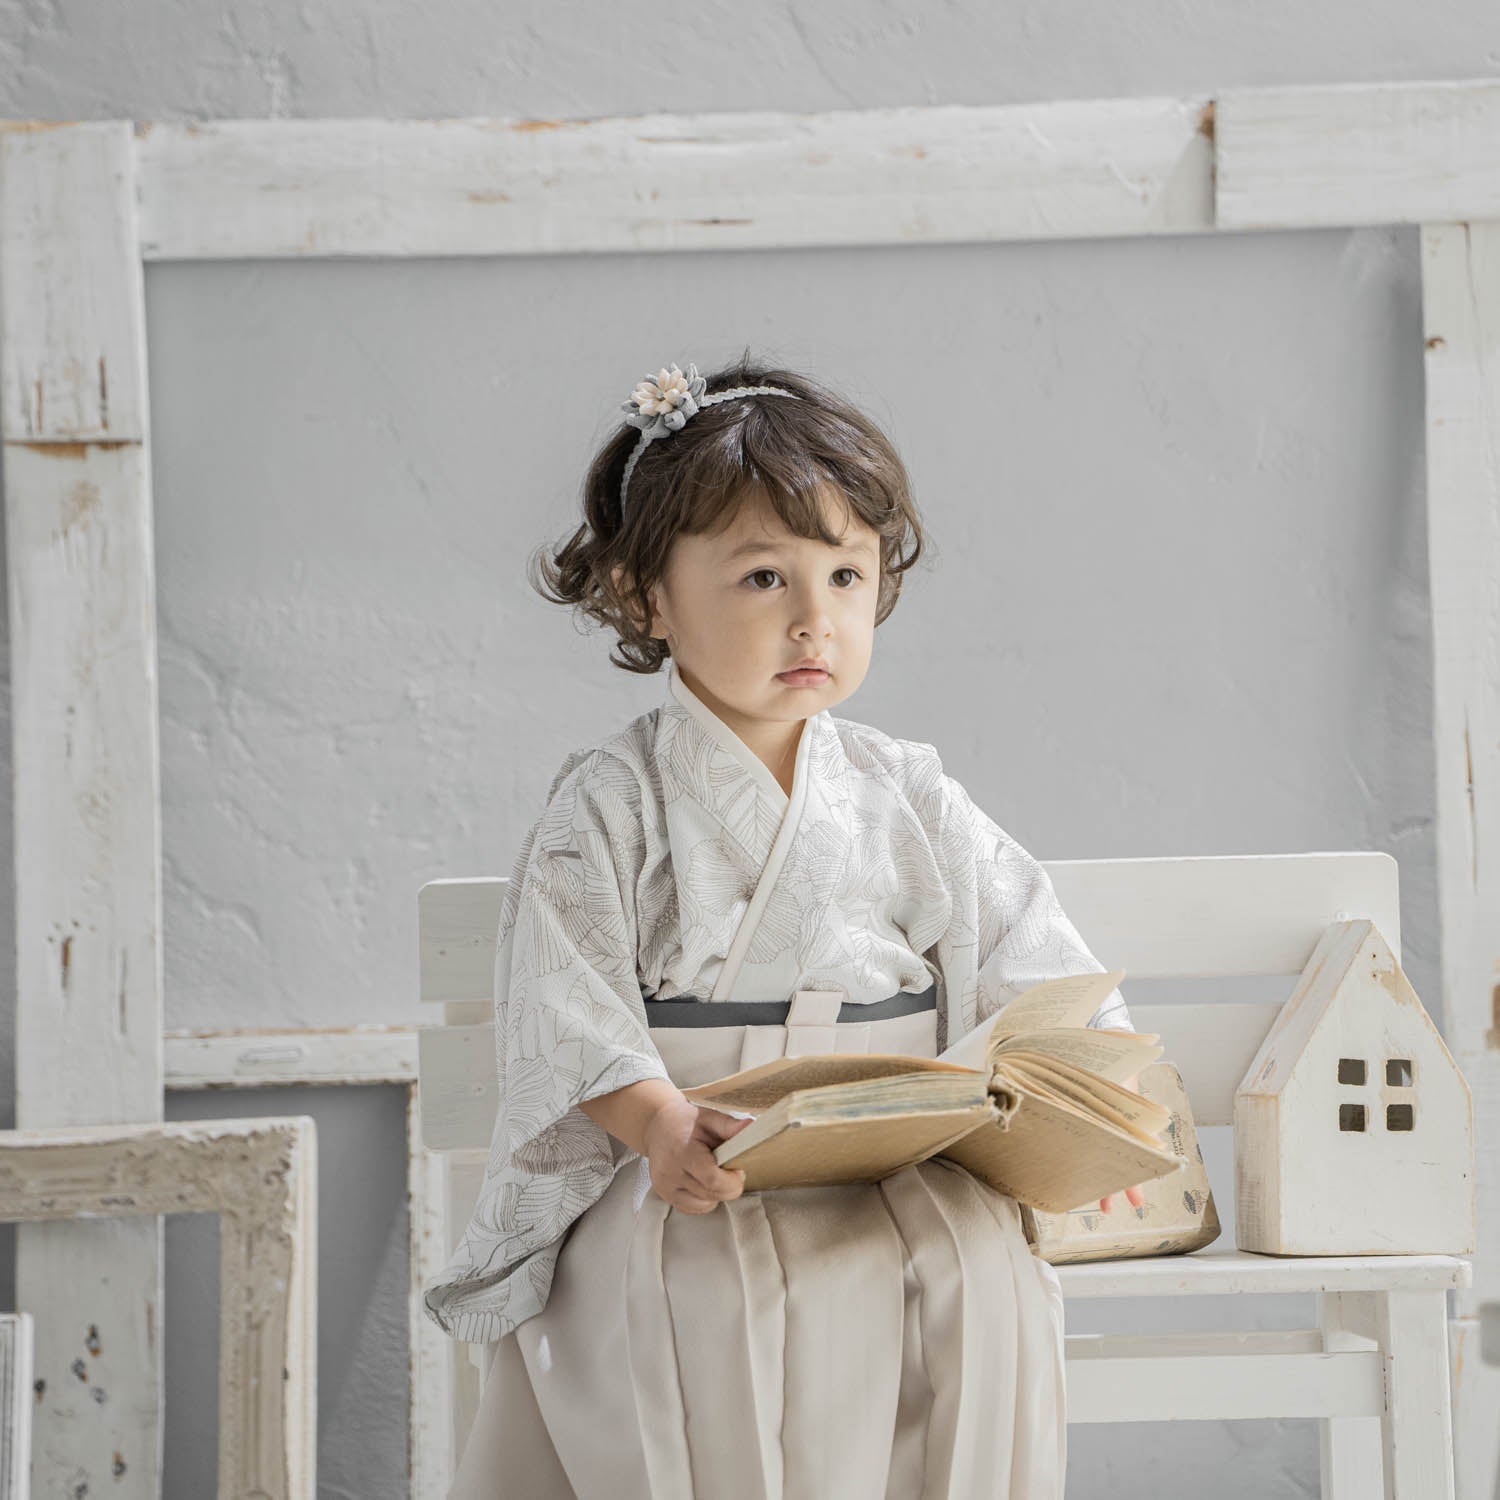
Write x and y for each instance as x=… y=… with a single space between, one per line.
x=772 y=573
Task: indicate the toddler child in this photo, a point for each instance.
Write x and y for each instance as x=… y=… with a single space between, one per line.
x=739 y=875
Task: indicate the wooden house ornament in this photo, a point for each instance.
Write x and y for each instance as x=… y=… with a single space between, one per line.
x=1353 y=1126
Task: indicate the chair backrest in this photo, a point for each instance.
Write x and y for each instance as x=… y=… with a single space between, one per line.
x=1197 y=917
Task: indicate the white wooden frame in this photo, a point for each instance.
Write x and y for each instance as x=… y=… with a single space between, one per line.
x=17 y=1336
x=82 y=205
x=260 y=1177
x=369 y=1055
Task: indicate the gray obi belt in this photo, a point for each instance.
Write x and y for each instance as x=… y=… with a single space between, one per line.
x=690 y=1012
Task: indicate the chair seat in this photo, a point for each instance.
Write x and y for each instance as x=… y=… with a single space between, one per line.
x=1216 y=1272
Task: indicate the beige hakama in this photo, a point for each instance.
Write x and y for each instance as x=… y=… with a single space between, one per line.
x=867 y=1341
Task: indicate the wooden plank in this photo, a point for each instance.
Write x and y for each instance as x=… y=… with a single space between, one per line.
x=433 y=1358
x=73 y=416
x=1221 y=1272
x=466 y=1173
x=752 y=179
x=1220 y=1387
x=460 y=1087
x=1207 y=1341
x=260 y=1177
x=74 y=365
x=275 y=1058
x=1461 y=324
x=458 y=922
x=1476 y=1401
x=1213 y=916
x=1381 y=153
x=17 y=1340
x=1349 y=1448
x=1417 y=1433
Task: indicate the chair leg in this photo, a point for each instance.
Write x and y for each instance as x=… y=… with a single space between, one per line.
x=1349 y=1452
x=1417 y=1430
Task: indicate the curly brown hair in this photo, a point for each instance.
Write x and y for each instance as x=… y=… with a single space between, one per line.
x=693 y=482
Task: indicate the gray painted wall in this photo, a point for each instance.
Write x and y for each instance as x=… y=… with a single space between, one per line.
x=1177 y=601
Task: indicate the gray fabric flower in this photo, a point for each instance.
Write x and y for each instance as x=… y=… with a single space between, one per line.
x=662 y=403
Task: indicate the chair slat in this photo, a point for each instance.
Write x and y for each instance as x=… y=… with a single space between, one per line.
x=1214 y=1271
x=457 y=924
x=1221 y=915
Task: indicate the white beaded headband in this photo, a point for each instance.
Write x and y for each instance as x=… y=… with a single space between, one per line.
x=662 y=403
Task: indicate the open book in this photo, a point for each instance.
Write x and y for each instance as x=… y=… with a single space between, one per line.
x=1031 y=1101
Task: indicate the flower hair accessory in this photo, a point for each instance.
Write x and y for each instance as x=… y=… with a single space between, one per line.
x=662 y=403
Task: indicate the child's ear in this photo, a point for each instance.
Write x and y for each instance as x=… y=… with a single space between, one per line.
x=654 y=626
x=621 y=580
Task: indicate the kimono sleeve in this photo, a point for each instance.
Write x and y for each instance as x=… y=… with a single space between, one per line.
x=570 y=1023
x=1021 y=933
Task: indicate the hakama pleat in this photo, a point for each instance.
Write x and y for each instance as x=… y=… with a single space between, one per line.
x=877 y=1341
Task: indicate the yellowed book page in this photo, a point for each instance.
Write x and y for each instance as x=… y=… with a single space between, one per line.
x=831 y=1151
x=1070 y=1000
x=758 y=1088
x=904 y=1093
x=1116 y=1055
x=1055 y=1159
x=1116 y=1108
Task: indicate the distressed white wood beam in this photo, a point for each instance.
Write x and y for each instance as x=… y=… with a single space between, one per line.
x=1461 y=321
x=730 y=181
x=258 y=1058
x=1363 y=153
x=73 y=418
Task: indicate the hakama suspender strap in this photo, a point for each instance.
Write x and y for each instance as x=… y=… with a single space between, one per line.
x=691 y=1012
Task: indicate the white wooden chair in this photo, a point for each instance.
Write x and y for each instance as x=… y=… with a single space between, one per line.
x=1375 y=1369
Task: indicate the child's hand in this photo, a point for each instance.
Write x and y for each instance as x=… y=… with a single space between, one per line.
x=680 y=1140
x=1133 y=1195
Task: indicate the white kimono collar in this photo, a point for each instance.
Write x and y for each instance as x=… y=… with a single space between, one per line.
x=754 y=766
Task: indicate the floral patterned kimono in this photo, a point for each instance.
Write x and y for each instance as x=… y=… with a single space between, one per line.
x=865 y=1340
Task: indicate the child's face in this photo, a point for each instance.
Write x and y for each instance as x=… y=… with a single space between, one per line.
x=743 y=607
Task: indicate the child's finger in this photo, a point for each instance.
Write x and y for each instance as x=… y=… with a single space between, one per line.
x=710 y=1178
